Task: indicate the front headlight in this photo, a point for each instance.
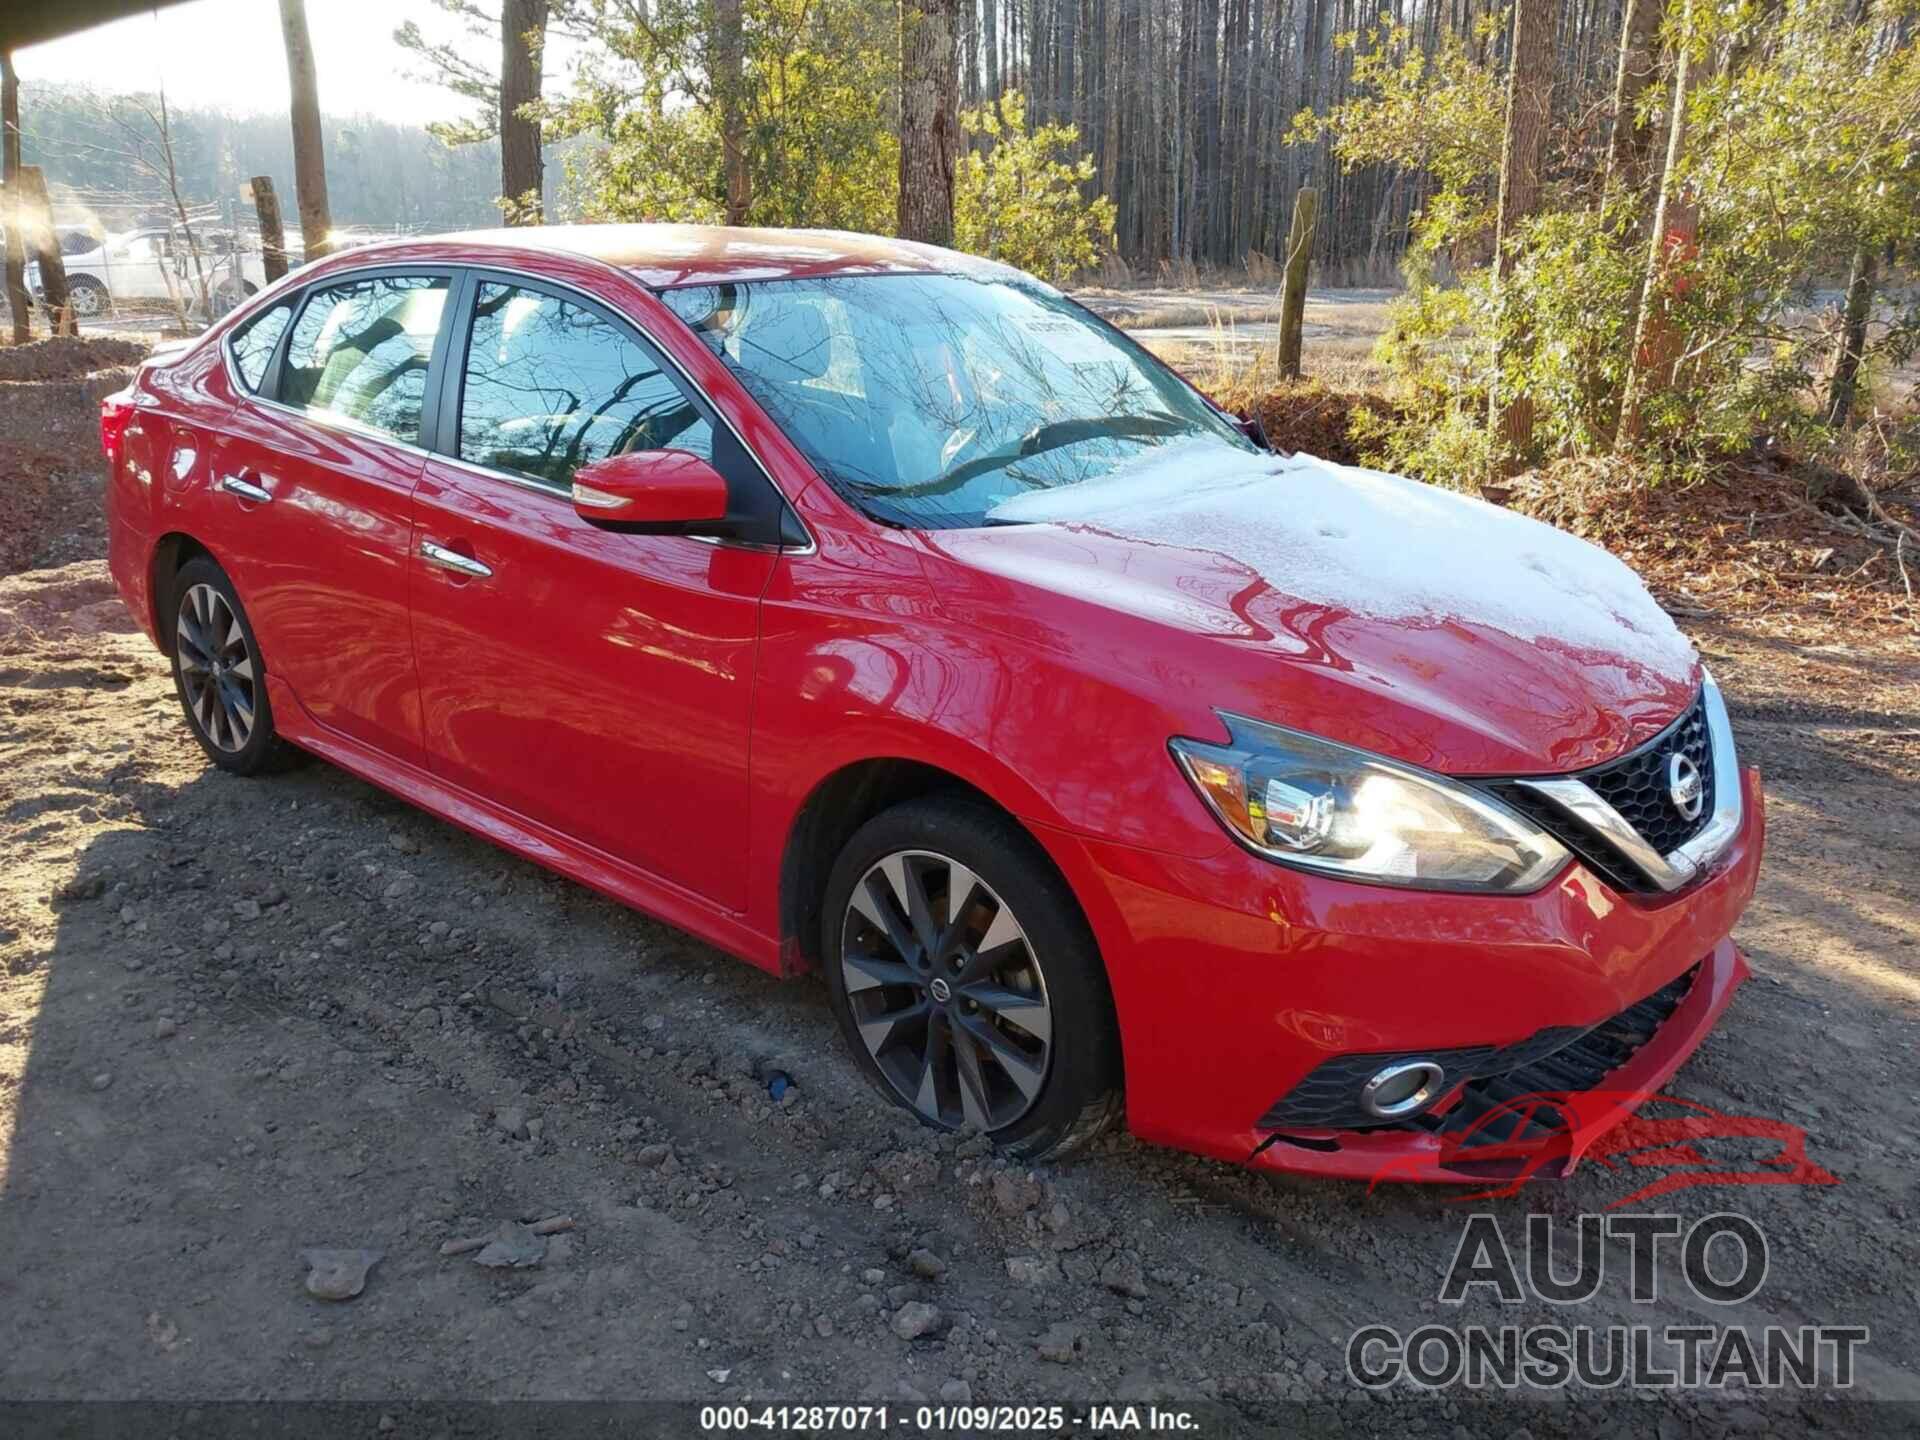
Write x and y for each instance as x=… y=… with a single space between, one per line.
x=1311 y=803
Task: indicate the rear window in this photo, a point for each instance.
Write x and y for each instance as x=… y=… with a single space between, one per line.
x=360 y=349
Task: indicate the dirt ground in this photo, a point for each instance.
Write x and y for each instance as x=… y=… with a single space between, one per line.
x=242 y=1018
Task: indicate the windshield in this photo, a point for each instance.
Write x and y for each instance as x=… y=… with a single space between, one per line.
x=927 y=400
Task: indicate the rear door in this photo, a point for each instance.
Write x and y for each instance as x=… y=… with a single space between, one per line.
x=598 y=683
x=316 y=474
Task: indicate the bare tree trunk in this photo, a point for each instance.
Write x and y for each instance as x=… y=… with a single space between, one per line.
x=1631 y=147
x=180 y=211
x=10 y=211
x=1671 y=232
x=1529 y=106
x=729 y=60
x=929 y=119
x=273 y=236
x=309 y=159
x=523 y=31
x=990 y=23
x=1293 y=297
x=1853 y=339
x=1110 y=104
x=35 y=213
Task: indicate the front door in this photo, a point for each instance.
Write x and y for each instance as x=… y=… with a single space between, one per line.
x=597 y=683
x=314 y=479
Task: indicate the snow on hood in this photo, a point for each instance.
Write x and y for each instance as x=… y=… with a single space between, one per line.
x=1376 y=545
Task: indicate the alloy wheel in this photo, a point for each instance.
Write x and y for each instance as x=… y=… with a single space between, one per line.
x=86 y=301
x=946 y=991
x=217 y=668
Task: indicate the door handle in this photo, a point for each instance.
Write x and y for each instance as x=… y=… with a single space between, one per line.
x=453 y=560
x=245 y=489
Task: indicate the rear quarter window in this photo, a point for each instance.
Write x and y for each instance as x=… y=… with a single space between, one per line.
x=251 y=346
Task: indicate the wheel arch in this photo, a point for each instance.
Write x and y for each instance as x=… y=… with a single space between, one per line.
x=837 y=806
x=171 y=552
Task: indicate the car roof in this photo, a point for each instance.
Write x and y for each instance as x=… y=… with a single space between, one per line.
x=670 y=255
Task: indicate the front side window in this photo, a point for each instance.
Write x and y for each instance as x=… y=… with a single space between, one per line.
x=927 y=400
x=360 y=351
x=551 y=385
x=252 y=344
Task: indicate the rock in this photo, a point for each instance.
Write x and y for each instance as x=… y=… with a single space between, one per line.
x=165 y=1028
x=652 y=1155
x=511 y=1120
x=536 y=1129
x=907 y=1393
x=926 y=1264
x=404 y=843
x=513 y=1246
x=1314 y=1373
x=102 y=1080
x=1014 y=1194
x=1063 y=1344
x=823 y=1327
x=464 y=1247
x=1031 y=1270
x=719 y=1377
x=874 y=1275
x=1123 y=1276
x=917 y=1318
x=552 y=1225
x=338 y=1274
x=956 y=1392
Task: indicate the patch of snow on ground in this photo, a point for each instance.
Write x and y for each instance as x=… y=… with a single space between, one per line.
x=1375 y=544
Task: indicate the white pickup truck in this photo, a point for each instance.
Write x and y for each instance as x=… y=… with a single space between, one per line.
x=154 y=265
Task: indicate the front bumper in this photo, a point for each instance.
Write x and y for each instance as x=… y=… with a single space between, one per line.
x=1234 y=979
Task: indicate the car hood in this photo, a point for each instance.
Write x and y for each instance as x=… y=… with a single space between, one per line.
x=1384 y=613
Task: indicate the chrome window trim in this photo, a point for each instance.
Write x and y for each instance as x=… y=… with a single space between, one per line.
x=1672 y=871
x=342 y=423
x=327 y=420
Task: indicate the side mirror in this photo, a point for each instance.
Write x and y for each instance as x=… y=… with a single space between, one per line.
x=662 y=491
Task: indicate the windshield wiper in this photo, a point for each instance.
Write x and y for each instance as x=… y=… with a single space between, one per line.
x=1042 y=438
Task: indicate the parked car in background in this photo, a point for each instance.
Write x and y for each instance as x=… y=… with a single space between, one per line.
x=867 y=608
x=154 y=265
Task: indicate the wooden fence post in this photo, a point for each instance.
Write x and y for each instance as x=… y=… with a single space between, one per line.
x=1293 y=294
x=273 y=236
x=35 y=213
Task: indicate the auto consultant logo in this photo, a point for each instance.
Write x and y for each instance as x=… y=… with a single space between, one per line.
x=1722 y=1260
x=1664 y=1143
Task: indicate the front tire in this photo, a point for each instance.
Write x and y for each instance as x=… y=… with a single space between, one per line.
x=966 y=981
x=219 y=675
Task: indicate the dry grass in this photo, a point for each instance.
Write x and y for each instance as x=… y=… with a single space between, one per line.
x=1781 y=546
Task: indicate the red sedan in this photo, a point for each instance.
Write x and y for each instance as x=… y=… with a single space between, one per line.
x=864 y=608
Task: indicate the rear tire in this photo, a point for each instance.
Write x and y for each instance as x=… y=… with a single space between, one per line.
x=219 y=674
x=997 y=1019
x=88 y=297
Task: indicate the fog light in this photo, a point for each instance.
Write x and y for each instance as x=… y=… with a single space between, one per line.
x=1403 y=1088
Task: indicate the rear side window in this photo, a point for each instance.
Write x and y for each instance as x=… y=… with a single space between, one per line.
x=551 y=386
x=252 y=344
x=360 y=349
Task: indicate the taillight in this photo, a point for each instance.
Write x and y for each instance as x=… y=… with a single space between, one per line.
x=115 y=411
